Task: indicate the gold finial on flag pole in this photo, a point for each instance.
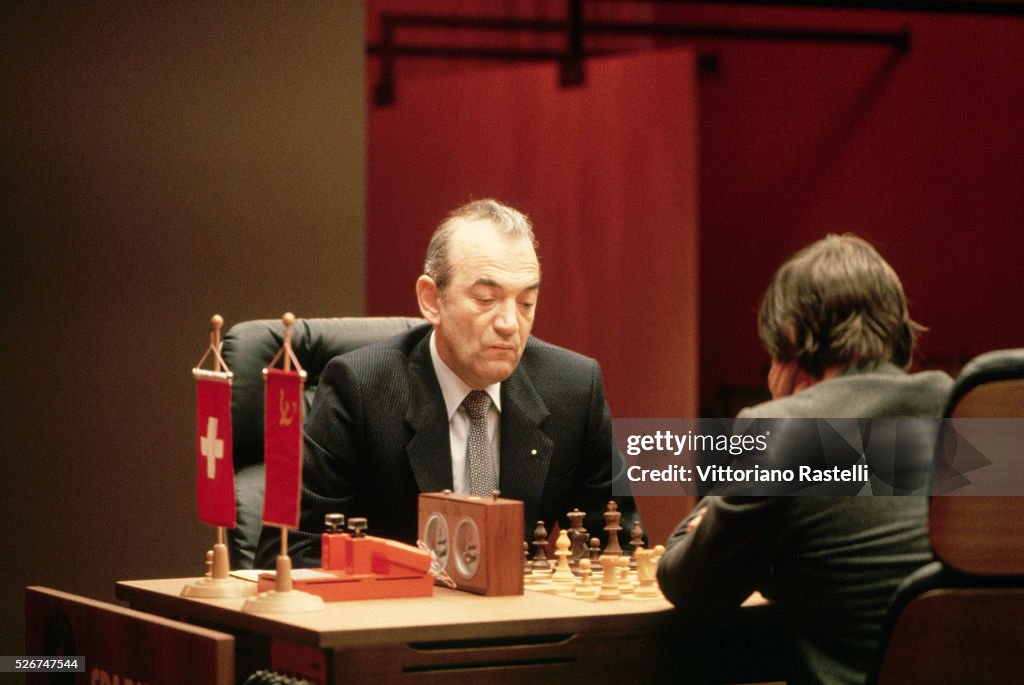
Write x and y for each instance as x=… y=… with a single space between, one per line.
x=289 y=321
x=286 y=354
x=219 y=365
x=216 y=323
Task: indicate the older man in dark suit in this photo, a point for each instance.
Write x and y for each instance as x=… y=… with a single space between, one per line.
x=469 y=402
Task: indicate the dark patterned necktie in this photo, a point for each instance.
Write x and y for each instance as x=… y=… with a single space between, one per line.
x=478 y=452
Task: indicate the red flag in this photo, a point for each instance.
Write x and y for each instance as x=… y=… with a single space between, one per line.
x=215 y=473
x=282 y=447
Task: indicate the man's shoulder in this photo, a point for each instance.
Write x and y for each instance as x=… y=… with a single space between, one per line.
x=887 y=392
x=552 y=359
x=389 y=355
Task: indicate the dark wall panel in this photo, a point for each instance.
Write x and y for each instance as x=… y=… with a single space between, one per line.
x=161 y=162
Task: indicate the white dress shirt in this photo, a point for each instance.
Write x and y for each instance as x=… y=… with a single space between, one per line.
x=454 y=391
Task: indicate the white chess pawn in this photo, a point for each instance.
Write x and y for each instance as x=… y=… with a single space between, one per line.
x=586 y=586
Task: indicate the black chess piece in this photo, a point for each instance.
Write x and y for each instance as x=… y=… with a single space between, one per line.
x=612 y=528
x=578 y=538
x=595 y=553
x=540 y=549
x=636 y=541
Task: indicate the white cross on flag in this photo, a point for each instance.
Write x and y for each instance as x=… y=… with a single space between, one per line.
x=215 y=474
x=282 y=446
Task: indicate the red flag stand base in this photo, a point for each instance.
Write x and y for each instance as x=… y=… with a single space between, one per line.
x=284 y=599
x=218 y=584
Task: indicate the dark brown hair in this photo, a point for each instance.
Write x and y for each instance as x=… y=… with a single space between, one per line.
x=836 y=303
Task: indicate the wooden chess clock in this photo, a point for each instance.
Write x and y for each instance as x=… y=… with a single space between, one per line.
x=477 y=540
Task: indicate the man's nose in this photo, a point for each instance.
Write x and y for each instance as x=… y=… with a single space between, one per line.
x=506 y=320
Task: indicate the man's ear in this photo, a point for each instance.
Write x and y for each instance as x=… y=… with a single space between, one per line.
x=429 y=297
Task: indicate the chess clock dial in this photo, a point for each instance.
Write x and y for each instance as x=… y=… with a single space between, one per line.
x=467 y=548
x=435 y=536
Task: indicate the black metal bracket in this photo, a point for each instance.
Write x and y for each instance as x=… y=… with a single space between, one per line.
x=571 y=72
x=571 y=60
x=992 y=8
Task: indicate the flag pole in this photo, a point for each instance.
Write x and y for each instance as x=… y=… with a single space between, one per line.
x=284 y=598
x=220 y=566
x=218 y=583
x=216 y=323
x=284 y=580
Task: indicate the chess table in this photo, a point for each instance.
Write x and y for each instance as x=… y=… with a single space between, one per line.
x=451 y=636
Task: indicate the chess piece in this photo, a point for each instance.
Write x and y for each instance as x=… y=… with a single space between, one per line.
x=578 y=549
x=636 y=542
x=625 y=582
x=609 y=578
x=527 y=569
x=595 y=552
x=585 y=587
x=563 y=574
x=646 y=566
x=612 y=528
x=540 y=545
x=576 y=519
x=578 y=536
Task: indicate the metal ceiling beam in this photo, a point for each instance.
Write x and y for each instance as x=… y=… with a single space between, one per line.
x=994 y=8
x=571 y=58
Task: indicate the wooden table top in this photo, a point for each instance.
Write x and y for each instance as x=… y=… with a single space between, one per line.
x=447 y=615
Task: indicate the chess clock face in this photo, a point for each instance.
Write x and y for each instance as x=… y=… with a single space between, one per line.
x=467 y=548
x=435 y=536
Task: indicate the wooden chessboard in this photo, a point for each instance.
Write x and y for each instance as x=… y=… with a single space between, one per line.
x=627 y=589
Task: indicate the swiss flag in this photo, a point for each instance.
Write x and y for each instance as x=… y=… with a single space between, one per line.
x=215 y=473
x=282 y=447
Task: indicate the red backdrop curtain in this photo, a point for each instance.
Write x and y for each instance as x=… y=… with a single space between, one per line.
x=607 y=172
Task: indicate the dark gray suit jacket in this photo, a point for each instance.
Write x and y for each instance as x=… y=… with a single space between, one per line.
x=832 y=564
x=377 y=436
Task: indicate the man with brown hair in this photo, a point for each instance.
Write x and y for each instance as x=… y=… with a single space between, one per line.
x=836 y=323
